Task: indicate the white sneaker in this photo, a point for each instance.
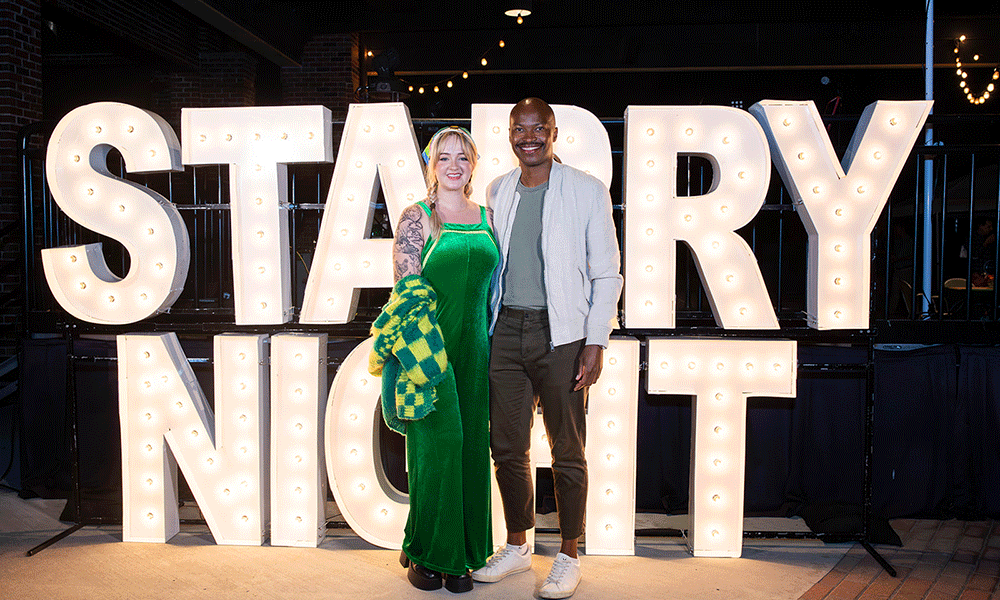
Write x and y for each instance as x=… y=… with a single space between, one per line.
x=562 y=579
x=507 y=561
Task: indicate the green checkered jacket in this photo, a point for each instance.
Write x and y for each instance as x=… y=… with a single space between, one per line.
x=408 y=352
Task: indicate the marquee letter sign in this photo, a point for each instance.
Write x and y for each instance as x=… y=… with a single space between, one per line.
x=258 y=144
x=720 y=374
x=256 y=464
x=656 y=218
x=143 y=221
x=840 y=203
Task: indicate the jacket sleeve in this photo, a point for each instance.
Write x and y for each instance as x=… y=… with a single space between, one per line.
x=603 y=267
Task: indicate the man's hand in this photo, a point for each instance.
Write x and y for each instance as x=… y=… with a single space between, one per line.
x=589 y=368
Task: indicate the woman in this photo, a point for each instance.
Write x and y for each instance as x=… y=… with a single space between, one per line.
x=448 y=240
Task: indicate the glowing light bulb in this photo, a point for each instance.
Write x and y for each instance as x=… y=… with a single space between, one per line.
x=483 y=61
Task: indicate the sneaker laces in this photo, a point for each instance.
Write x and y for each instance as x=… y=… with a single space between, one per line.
x=558 y=568
x=500 y=555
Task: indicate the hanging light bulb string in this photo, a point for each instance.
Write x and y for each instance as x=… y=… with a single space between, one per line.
x=450 y=81
x=963 y=75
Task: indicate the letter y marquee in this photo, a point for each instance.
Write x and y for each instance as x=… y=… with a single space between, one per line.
x=839 y=209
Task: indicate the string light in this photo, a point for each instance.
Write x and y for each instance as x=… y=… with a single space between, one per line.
x=962 y=75
x=450 y=81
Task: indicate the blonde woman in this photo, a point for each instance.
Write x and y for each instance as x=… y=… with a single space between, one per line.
x=447 y=240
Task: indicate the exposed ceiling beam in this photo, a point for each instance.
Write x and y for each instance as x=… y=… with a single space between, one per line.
x=237 y=32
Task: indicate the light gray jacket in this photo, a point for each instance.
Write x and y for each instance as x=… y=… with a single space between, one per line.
x=582 y=264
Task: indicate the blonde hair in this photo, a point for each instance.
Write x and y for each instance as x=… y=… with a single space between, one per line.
x=434 y=153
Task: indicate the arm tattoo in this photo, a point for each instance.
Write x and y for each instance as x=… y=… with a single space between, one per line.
x=409 y=242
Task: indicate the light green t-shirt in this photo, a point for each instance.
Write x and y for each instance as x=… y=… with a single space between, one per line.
x=524 y=283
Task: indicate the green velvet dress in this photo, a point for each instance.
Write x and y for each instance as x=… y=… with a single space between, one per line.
x=449 y=526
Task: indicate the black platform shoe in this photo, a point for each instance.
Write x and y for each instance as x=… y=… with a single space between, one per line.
x=458 y=583
x=423 y=578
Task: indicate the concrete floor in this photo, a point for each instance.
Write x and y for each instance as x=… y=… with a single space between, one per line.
x=95 y=563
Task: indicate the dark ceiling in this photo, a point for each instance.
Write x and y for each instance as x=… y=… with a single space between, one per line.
x=605 y=56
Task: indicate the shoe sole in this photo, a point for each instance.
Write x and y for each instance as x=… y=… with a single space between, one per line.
x=555 y=595
x=495 y=578
x=427 y=585
x=457 y=586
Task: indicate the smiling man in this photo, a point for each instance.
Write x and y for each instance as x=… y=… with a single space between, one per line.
x=553 y=304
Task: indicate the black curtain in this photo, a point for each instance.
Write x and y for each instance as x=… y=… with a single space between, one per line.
x=936 y=448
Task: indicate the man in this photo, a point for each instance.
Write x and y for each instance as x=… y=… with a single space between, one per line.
x=554 y=301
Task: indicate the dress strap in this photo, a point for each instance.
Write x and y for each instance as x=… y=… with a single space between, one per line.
x=424 y=206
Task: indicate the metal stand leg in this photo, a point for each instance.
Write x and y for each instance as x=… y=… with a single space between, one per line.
x=74 y=448
x=53 y=540
x=878 y=558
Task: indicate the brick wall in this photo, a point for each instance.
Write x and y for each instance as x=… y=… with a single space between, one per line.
x=223 y=79
x=329 y=73
x=20 y=104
